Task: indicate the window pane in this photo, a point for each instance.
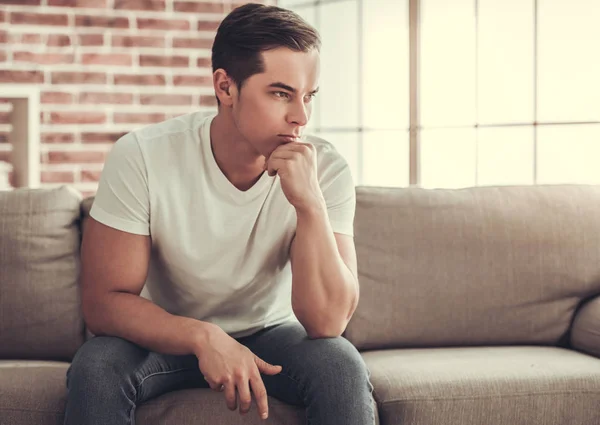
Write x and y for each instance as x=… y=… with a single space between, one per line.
x=386 y=64
x=385 y=158
x=309 y=14
x=448 y=63
x=506 y=60
x=569 y=154
x=569 y=60
x=448 y=158
x=505 y=156
x=289 y=4
x=346 y=144
x=339 y=65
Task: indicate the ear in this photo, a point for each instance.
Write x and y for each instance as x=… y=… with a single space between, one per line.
x=223 y=87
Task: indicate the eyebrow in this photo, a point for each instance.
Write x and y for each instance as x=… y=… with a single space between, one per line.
x=289 y=88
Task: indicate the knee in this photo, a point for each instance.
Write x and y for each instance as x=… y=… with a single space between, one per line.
x=101 y=359
x=338 y=360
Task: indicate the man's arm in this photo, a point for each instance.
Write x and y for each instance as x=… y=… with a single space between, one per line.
x=325 y=287
x=114 y=269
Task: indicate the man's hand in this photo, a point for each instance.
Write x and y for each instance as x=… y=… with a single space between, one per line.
x=231 y=367
x=296 y=165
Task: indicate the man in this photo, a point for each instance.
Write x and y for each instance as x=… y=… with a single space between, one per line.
x=219 y=253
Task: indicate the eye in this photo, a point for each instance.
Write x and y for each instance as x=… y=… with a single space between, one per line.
x=309 y=97
x=282 y=94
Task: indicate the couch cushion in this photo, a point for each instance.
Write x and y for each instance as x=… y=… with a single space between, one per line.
x=39 y=267
x=203 y=406
x=485 y=385
x=476 y=266
x=32 y=392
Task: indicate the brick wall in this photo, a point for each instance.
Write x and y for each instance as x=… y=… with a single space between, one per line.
x=105 y=67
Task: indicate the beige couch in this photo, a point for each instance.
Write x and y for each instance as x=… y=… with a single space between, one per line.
x=478 y=307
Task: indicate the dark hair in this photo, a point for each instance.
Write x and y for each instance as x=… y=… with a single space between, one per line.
x=254 y=28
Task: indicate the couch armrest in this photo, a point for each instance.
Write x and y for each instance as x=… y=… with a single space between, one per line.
x=585 y=332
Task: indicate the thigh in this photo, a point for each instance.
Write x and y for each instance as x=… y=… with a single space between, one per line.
x=109 y=362
x=309 y=365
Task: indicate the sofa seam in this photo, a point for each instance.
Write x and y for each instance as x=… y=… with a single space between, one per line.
x=15 y=409
x=490 y=396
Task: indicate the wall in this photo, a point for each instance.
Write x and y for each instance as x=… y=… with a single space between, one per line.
x=104 y=67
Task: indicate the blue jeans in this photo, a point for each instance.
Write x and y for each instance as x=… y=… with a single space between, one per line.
x=110 y=376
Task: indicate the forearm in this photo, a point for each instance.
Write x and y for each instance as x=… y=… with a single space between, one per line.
x=323 y=288
x=142 y=322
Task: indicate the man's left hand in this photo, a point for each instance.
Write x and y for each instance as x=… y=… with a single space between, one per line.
x=296 y=165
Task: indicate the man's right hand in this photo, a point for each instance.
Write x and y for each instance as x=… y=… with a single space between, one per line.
x=230 y=367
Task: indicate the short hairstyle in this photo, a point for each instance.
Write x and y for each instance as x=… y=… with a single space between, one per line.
x=254 y=28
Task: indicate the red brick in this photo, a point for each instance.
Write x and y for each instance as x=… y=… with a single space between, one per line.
x=140 y=79
x=4 y=117
x=43 y=58
x=77 y=117
x=193 y=43
x=38 y=19
x=137 y=41
x=162 y=24
x=206 y=100
x=57 y=137
x=21 y=76
x=90 y=175
x=195 y=7
x=5 y=156
x=193 y=80
x=140 y=4
x=57 y=177
x=2 y=56
x=28 y=38
x=101 y=137
x=166 y=99
x=91 y=39
x=56 y=97
x=21 y=2
x=78 y=3
x=3 y=36
x=208 y=25
x=103 y=97
x=3 y=137
x=138 y=118
x=115 y=59
x=78 y=78
x=75 y=157
x=204 y=62
x=2 y=16
x=170 y=61
x=59 y=40
x=101 y=21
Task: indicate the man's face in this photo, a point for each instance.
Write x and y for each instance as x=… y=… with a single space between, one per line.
x=277 y=103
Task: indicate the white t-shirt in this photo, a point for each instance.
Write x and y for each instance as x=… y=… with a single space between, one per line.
x=218 y=254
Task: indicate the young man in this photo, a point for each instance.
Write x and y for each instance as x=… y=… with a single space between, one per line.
x=219 y=253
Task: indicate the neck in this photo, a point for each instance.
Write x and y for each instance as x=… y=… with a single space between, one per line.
x=237 y=159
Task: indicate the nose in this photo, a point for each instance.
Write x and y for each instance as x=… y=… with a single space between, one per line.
x=298 y=114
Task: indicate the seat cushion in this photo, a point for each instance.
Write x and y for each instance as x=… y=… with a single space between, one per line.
x=32 y=392
x=477 y=266
x=40 y=314
x=485 y=385
x=206 y=407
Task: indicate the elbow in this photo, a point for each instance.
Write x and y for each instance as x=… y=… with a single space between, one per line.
x=332 y=329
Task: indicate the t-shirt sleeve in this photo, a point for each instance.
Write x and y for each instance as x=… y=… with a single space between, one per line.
x=122 y=200
x=339 y=192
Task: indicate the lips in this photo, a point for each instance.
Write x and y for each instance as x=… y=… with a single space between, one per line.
x=289 y=138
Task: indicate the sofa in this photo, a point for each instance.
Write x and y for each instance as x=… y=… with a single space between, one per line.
x=479 y=306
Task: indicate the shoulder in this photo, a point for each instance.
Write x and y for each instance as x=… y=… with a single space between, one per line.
x=330 y=163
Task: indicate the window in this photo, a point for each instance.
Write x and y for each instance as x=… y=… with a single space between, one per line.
x=501 y=91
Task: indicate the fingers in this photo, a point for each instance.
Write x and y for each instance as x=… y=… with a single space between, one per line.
x=245 y=398
x=266 y=368
x=230 y=395
x=260 y=395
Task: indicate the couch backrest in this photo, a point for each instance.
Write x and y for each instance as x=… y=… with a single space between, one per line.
x=40 y=315
x=484 y=265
